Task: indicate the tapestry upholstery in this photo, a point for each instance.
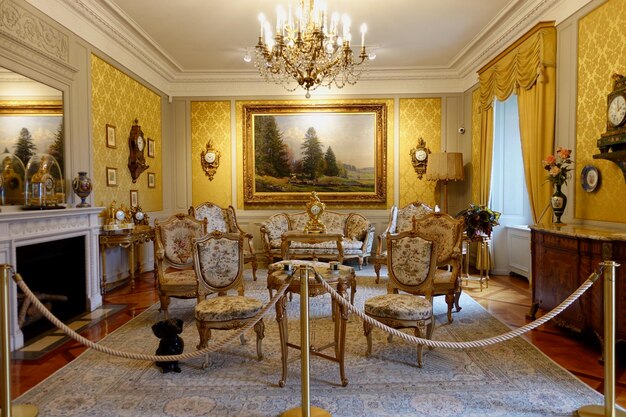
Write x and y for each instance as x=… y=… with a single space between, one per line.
x=357 y=231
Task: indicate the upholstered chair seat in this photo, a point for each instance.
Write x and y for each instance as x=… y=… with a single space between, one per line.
x=411 y=263
x=227 y=308
x=183 y=280
x=218 y=265
x=399 y=306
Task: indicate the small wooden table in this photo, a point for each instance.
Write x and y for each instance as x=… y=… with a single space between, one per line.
x=129 y=239
x=340 y=281
x=300 y=236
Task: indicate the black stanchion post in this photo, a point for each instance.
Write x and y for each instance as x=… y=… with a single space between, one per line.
x=6 y=410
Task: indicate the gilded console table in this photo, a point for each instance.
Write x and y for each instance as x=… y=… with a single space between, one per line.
x=562 y=259
x=128 y=239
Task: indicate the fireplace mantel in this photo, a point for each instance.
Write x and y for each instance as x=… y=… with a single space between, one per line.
x=22 y=228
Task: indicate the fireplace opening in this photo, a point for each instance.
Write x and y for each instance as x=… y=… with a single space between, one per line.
x=55 y=272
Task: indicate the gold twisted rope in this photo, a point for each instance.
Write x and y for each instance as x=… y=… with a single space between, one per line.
x=470 y=344
x=139 y=356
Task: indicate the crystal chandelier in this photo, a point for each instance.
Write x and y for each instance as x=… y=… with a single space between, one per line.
x=308 y=51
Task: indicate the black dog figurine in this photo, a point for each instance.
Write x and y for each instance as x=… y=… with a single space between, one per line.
x=170 y=344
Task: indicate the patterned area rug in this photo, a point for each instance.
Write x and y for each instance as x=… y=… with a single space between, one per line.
x=507 y=379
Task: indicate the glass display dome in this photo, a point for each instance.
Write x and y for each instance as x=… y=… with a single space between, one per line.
x=44 y=183
x=12 y=174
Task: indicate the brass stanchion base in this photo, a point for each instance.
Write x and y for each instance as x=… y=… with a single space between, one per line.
x=596 y=411
x=297 y=412
x=23 y=410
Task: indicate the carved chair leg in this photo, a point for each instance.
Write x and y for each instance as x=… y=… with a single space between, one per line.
x=165 y=304
x=360 y=263
x=377 y=270
x=254 y=268
x=420 y=331
x=259 y=328
x=205 y=334
x=367 y=331
x=429 y=330
x=450 y=302
x=457 y=296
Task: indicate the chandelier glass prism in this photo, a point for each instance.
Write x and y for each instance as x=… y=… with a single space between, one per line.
x=309 y=49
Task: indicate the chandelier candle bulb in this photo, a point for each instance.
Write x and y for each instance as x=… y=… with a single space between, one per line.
x=363 y=31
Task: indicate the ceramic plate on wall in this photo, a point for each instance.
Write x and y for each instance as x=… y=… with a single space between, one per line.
x=590 y=178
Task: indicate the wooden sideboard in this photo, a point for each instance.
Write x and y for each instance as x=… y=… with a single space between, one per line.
x=562 y=259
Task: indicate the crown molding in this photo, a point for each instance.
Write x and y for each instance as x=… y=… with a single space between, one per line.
x=104 y=25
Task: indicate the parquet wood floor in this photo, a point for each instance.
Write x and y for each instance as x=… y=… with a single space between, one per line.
x=507 y=298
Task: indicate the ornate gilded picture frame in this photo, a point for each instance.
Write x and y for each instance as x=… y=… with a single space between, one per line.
x=337 y=150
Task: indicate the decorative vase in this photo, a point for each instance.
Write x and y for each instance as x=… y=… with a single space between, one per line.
x=82 y=187
x=558 y=201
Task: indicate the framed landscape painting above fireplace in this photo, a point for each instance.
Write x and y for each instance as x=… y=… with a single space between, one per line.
x=337 y=150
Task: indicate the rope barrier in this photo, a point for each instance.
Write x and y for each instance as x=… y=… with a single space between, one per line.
x=593 y=277
x=138 y=356
x=340 y=299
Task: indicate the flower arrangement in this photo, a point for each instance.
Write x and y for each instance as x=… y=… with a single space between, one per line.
x=479 y=220
x=558 y=166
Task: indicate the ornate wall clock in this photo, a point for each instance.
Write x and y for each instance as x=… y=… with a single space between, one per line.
x=419 y=158
x=612 y=143
x=210 y=160
x=137 y=146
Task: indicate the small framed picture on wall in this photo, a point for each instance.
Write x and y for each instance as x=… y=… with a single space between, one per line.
x=134 y=198
x=110 y=133
x=151 y=180
x=111 y=177
x=151 y=148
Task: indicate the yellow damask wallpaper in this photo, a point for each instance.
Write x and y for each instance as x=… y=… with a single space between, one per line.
x=211 y=120
x=118 y=100
x=475 y=191
x=419 y=117
x=601 y=52
x=390 y=137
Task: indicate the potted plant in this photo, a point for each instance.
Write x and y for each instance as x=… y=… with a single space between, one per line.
x=479 y=220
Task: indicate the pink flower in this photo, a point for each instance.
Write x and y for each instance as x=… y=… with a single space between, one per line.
x=564 y=153
x=550 y=159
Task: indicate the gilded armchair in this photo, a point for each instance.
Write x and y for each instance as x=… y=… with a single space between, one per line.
x=218 y=260
x=174 y=257
x=412 y=262
x=400 y=220
x=448 y=233
x=224 y=220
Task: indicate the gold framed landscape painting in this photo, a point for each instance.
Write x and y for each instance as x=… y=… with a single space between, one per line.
x=337 y=150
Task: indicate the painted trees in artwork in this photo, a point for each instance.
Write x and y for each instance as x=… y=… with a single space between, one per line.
x=313 y=155
x=271 y=154
x=330 y=162
x=24 y=147
x=57 y=148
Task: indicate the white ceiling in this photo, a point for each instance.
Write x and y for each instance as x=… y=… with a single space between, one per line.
x=205 y=36
x=196 y=47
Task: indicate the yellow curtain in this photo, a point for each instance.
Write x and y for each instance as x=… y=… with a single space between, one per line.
x=526 y=68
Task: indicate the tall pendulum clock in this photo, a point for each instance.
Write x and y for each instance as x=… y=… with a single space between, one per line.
x=137 y=145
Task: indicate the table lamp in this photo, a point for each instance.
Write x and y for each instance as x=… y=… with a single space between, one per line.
x=445 y=166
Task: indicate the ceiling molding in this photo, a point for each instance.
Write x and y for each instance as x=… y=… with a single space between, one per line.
x=130 y=41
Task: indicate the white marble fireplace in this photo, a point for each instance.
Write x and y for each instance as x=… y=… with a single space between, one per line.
x=21 y=228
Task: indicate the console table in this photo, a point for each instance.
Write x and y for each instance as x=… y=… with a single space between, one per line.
x=129 y=239
x=300 y=236
x=562 y=259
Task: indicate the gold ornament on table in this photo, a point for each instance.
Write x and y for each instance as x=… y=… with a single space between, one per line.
x=315 y=209
x=118 y=218
x=210 y=160
x=139 y=217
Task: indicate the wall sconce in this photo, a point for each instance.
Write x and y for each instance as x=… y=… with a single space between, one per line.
x=210 y=160
x=419 y=158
